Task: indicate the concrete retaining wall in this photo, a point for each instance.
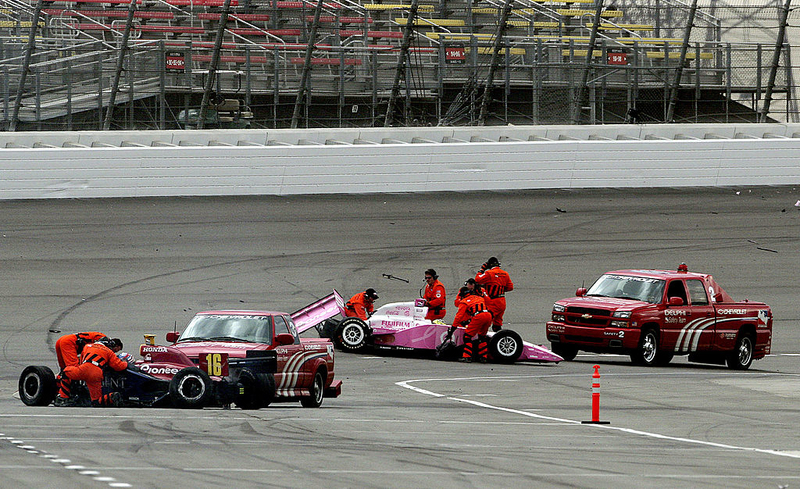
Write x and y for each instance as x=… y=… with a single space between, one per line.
x=387 y=160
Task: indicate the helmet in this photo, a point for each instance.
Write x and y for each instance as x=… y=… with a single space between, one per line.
x=492 y=262
x=371 y=293
x=470 y=281
x=106 y=341
x=463 y=292
x=125 y=357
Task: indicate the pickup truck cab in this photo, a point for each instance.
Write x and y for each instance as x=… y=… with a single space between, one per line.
x=653 y=315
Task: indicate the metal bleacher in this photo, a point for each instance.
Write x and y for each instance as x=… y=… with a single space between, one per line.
x=357 y=46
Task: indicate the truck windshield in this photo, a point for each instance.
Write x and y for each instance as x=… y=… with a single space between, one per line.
x=628 y=287
x=253 y=329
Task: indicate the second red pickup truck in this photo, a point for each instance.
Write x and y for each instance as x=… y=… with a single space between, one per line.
x=653 y=315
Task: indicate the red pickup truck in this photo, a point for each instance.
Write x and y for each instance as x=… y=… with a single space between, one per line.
x=250 y=358
x=653 y=315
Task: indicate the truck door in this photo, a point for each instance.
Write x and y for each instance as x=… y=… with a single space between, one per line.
x=698 y=332
x=289 y=371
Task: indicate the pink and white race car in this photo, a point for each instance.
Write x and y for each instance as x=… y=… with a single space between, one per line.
x=402 y=326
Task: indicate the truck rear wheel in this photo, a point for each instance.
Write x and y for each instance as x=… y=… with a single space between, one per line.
x=742 y=355
x=317 y=392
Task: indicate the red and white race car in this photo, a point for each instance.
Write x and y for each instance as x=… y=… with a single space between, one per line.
x=260 y=352
x=402 y=326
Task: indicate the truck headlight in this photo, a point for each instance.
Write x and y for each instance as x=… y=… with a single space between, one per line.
x=621 y=314
x=559 y=318
x=558 y=308
x=619 y=324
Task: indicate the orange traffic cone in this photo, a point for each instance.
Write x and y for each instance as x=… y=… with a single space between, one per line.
x=596 y=398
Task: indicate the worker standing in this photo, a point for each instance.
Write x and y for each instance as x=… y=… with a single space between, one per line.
x=434 y=296
x=495 y=282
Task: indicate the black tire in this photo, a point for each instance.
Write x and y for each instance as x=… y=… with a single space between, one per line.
x=647 y=353
x=742 y=355
x=506 y=346
x=37 y=386
x=568 y=353
x=255 y=390
x=352 y=334
x=664 y=357
x=190 y=388
x=317 y=392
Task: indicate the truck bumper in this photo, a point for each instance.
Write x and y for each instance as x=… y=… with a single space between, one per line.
x=334 y=390
x=593 y=338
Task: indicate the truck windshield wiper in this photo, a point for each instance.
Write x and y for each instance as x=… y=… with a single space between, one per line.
x=191 y=338
x=227 y=338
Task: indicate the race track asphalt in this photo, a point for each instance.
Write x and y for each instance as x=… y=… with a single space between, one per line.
x=135 y=266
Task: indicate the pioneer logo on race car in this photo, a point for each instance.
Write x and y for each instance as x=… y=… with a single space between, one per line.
x=393 y=324
x=158 y=370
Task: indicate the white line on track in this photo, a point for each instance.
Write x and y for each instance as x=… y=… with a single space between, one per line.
x=64 y=462
x=407 y=385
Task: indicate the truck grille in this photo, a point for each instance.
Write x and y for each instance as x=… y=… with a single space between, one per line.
x=584 y=316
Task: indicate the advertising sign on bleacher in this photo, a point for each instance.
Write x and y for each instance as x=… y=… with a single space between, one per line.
x=175 y=62
x=455 y=54
x=616 y=57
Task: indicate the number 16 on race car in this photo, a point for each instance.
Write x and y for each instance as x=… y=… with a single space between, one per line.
x=214 y=364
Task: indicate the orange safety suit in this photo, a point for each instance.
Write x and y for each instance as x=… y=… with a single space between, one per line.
x=472 y=310
x=68 y=347
x=435 y=297
x=90 y=370
x=496 y=283
x=359 y=306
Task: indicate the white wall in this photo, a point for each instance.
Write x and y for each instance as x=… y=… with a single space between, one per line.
x=67 y=172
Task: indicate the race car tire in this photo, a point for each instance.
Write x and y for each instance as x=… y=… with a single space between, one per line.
x=742 y=355
x=647 y=353
x=37 y=386
x=317 y=392
x=568 y=353
x=352 y=334
x=505 y=346
x=257 y=390
x=190 y=388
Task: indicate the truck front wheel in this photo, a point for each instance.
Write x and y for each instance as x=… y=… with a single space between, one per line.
x=568 y=353
x=647 y=352
x=742 y=356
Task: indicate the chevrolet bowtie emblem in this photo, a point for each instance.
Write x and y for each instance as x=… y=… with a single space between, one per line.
x=587 y=316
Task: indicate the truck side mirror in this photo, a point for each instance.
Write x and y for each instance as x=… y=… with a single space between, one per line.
x=675 y=301
x=580 y=292
x=284 y=339
x=173 y=336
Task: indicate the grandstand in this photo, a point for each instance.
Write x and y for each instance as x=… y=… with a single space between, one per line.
x=348 y=63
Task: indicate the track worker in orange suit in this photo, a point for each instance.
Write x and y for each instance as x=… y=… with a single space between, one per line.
x=69 y=347
x=495 y=282
x=434 y=296
x=473 y=314
x=94 y=358
x=361 y=305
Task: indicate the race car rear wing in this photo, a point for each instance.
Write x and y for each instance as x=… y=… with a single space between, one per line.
x=318 y=311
